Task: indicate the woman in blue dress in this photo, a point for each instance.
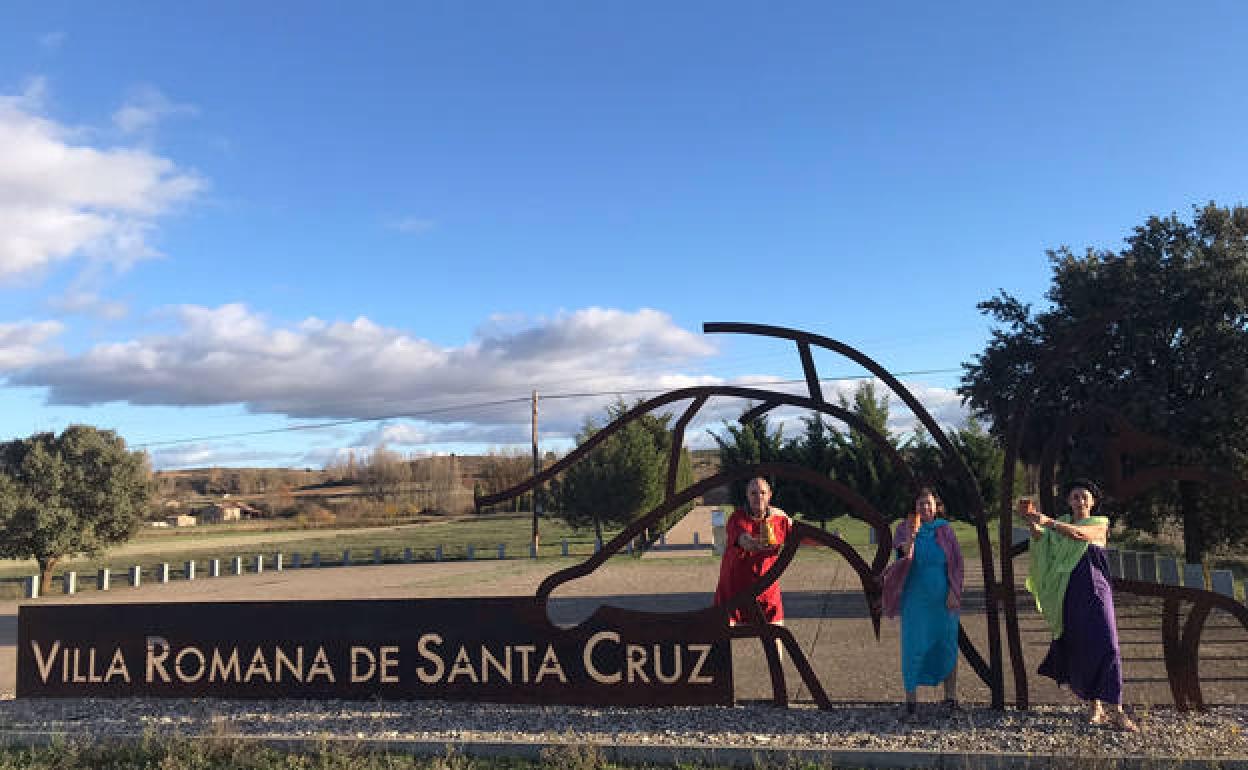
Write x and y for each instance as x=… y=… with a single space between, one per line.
x=925 y=586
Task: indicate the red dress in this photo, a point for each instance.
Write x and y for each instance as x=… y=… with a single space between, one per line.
x=739 y=568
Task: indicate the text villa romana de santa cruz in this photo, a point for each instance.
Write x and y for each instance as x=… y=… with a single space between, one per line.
x=433 y=663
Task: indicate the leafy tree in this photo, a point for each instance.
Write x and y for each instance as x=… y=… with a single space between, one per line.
x=76 y=493
x=1157 y=331
x=621 y=478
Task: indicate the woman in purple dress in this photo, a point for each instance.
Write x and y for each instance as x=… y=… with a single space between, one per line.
x=1070 y=579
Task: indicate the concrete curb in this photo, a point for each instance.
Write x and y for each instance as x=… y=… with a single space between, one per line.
x=683 y=755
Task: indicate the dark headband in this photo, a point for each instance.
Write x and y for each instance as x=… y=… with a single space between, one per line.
x=1093 y=488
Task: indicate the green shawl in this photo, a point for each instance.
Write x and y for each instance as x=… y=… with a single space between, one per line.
x=1053 y=558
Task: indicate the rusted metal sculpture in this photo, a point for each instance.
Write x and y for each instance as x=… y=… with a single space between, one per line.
x=1000 y=594
x=1180 y=645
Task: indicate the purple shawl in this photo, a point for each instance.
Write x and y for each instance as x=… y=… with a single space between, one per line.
x=895 y=574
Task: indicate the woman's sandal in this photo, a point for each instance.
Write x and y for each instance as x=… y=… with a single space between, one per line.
x=1121 y=721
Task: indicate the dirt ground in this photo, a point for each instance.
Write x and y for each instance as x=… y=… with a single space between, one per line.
x=823 y=603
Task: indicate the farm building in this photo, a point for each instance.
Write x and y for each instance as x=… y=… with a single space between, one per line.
x=218 y=513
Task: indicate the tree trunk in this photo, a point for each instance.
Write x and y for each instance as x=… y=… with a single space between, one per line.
x=597 y=529
x=1193 y=526
x=45 y=574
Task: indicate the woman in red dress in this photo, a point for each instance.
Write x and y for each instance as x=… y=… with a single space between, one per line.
x=753 y=539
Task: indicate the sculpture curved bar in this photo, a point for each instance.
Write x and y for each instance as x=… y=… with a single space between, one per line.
x=1181 y=646
x=1180 y=639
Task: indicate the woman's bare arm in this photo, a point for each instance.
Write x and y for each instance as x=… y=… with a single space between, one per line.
x=1096 y=534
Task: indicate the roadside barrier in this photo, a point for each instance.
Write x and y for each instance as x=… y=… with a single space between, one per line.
x=1167 y=570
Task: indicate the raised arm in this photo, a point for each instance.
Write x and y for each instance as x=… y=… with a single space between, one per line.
x=1096 y=534
x=1027 y=509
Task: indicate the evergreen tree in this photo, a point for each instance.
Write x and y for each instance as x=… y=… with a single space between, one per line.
x=816 y=448
x=982 y=454
x=621 y=478
x=861 y=464
x=750 y=444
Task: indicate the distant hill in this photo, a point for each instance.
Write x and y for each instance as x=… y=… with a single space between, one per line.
x=189 y=488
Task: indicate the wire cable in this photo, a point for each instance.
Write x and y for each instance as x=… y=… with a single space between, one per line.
x=428 y=412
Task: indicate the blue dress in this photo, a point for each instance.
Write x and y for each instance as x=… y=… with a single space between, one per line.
x=929 y=630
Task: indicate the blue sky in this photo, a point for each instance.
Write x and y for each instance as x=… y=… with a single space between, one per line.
x=225 y=218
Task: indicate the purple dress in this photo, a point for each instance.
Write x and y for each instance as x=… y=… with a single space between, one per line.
x=1086 y=656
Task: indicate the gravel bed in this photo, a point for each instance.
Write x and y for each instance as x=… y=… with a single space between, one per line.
x=1221 y=732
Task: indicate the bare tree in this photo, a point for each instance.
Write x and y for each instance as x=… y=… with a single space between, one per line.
x=439 y=478
x=385 y=474
x=505 y=468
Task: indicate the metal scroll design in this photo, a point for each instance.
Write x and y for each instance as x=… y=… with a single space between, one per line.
x=1122 y=441
x=1180 y=640
x=1180 y=645
x=989 y=670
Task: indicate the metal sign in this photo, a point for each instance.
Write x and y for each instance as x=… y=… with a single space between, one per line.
x=505 y=649
x=1180 y=638
x=501 y=649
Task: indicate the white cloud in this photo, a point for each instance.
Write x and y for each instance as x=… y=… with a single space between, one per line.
x=23 y=344
x=395 y=433
x=358 y=369
x=431 y=396
x=424 y=434
x=943 y=404
x=413 y=225
x=207 y=455
x=61 y=199
x=88 y=303
x=145 y=107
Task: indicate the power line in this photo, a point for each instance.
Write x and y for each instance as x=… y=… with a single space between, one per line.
x=416 y=414
x=330 y=424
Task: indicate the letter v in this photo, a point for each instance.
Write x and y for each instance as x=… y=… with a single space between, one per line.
x=45 y=664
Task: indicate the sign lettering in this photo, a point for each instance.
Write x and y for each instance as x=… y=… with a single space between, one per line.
x=493 y=649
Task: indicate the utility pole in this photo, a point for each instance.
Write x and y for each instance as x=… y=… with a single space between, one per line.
x=537 y=468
